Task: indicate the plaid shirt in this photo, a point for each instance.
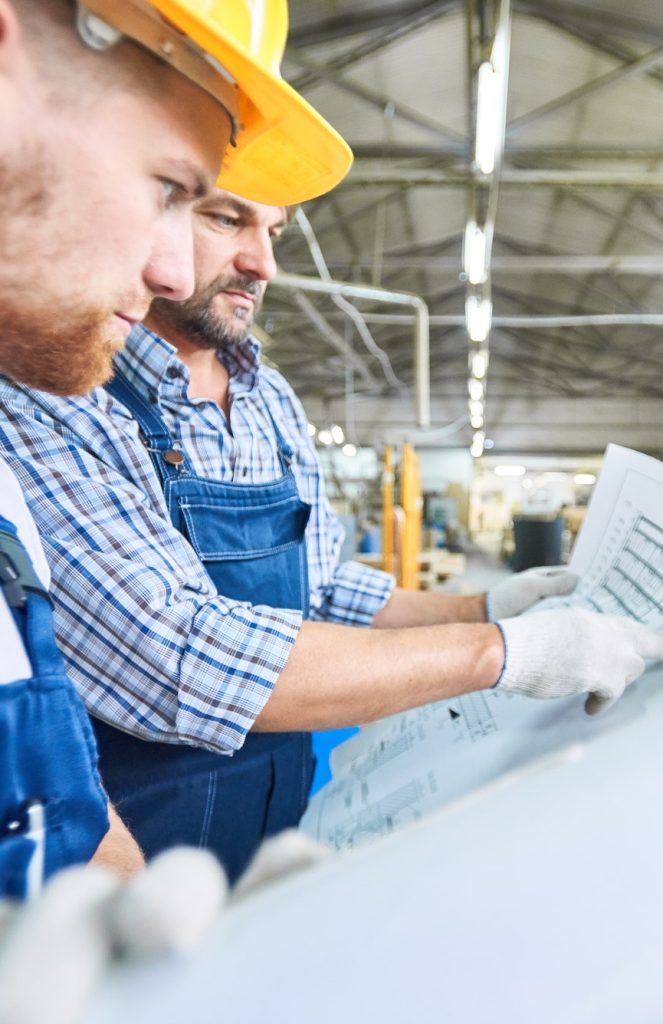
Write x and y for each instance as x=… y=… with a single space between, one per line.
x=151 y=646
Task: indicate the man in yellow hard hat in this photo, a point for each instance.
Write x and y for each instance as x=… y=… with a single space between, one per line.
x=115 y=118
x=105 y=144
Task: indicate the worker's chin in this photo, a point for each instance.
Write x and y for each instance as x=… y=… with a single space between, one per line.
x=93 y=372
x=74 y=373
x=226 y=332
x=241 y=325
x=243 y=313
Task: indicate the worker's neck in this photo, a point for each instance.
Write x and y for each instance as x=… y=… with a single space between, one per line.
x=208 y=377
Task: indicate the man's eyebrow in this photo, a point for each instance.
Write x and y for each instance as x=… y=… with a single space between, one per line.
x=244 y=210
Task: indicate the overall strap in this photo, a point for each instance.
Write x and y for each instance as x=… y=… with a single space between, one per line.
x=167 y=456
x=29 y=602
x=17 y=575
x=285 y=450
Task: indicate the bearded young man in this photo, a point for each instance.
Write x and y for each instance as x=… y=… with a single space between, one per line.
x=187 y=520
x=114 y=121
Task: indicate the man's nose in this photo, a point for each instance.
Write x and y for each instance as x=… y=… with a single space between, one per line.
x=256 y=256
x=169 y=272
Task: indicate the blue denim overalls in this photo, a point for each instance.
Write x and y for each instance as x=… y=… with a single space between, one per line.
x=52 y=807
x=250 y=538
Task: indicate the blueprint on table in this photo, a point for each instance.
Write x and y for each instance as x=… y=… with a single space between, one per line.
x=400 y=768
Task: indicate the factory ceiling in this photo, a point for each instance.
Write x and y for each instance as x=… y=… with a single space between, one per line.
x=576 y=270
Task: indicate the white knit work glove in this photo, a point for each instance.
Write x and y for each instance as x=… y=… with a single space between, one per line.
x=569 y=650
x=283 y=855
x=55 y=950
x=524 y=589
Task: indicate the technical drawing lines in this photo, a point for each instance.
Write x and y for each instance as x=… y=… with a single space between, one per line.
x=479 y=719
x=378 y=819
x=633 y=584
x=380 y=754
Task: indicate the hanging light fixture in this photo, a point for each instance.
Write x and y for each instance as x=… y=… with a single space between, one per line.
x=478 y=316
x=479 y=363
x=474 y=253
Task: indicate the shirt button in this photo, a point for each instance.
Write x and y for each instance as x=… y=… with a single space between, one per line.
x=172 y=373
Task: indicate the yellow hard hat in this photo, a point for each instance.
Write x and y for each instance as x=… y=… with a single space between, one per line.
x=283 y=151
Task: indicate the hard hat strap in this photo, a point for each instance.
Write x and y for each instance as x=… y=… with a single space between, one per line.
x=102 y=23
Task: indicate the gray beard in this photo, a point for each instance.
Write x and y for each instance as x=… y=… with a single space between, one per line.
x=196 y=320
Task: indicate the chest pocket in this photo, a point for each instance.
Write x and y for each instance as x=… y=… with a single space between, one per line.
x=266 y=526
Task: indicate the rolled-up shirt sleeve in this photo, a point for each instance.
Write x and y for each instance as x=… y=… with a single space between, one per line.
x=355 y=594
x=150 y=644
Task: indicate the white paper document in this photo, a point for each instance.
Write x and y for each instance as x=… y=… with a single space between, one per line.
x=398 y=769
x=619 y=552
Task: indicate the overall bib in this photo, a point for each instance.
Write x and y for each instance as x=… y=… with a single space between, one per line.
x=52 y=806
x=250 y=538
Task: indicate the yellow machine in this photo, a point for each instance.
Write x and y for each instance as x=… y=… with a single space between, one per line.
x=401 y=525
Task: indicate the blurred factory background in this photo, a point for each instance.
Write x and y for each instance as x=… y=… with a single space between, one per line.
x=501 y=234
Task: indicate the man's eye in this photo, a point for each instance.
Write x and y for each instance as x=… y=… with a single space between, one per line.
x=224 y=220
x=172 y=191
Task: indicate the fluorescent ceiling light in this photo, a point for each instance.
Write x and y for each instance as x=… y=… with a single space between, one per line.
x=584 y=479
x=475 y=407
x=325 y=437
x=479 y=363
x=476 y=421
x=312 y=430
x=478 y=315
x=476 y=449
x=338 y=437
x=505 y=470
x=489 y=117
x=349 y=449
x=475 y=389
x=474 y=253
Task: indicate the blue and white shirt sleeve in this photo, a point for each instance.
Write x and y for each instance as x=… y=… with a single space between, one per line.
x=348 y=593
x=151 y=646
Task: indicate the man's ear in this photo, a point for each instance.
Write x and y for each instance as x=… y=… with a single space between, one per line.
x=12 y=53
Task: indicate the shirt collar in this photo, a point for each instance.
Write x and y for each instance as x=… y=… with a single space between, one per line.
x=242 y=361
x=151 y=363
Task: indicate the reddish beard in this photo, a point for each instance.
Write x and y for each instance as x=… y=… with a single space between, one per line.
x=64 y=352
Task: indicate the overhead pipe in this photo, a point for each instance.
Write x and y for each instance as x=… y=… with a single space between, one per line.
x=313 y=244
x=571 y=265
x=530 y=322
x=361 y=291
x=416 y=177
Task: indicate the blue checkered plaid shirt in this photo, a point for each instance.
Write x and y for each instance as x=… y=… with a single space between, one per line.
x=151 y=645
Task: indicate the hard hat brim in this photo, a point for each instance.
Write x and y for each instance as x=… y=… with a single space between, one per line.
x=286 y=153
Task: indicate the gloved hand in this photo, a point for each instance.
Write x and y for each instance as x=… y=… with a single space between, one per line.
x=54 y=950
x=279 y=857
x=524 y=589
x=570 y=650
